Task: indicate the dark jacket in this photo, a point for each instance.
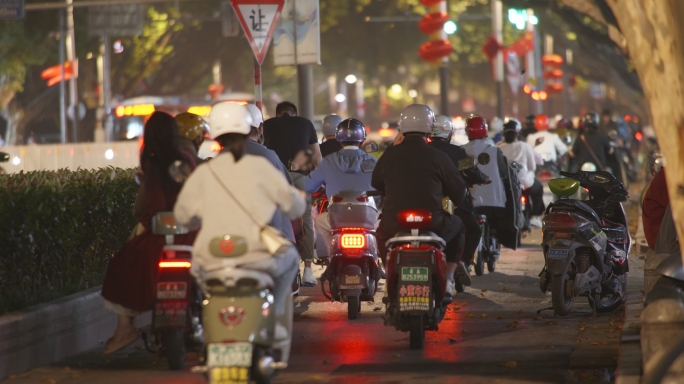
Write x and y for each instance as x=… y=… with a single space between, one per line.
x=414 y=175
x=329 y=147
x=599 y=144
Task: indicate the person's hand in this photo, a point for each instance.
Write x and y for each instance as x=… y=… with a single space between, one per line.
x=399 y=138
x=302 y=161
x=487 y=181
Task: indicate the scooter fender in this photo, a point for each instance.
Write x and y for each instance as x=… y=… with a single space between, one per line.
x=239 y=316
x=352 y=278
x=556 y=267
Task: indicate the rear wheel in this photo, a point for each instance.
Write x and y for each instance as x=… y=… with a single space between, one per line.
x=491 y=265
x=174 y=348
x=353 y=307
x=480 y=261
x=561 y=297
x=417 y=332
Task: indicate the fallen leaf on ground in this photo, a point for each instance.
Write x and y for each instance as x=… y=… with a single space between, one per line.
x=499 y=318
x=316 y=377
x=505 y=288
x=484 y=290
x=49 y=380
x=12 y=377
x=594 y=343
x=511 y=364
x=452 y=341
x=481 y=294
x=470 y=314
x=578 y=340
x=537 y=318
x=512 y=324
x=599 y=333
x=500 y=283
x=67 y=369
x=464 y=331
x=604 y=343
x=611 y=336
x=483 y=315
x=377 y=309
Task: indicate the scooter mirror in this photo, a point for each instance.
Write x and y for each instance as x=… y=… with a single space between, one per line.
x=483 y=159
x=466 y=164
x=4 y=157
x=372 y=148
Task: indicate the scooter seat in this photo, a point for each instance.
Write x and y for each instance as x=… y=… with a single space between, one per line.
x=580 y=205
x=236 y=277
x=424 y=236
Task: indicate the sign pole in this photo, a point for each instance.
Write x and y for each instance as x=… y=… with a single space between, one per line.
x=257 y=85
x=62 y=88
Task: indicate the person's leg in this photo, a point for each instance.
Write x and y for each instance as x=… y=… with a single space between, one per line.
x=307 y=248
x=473 y=232
x=323 y=235
x=125 y=332
x=536 y=192
x=453 y=232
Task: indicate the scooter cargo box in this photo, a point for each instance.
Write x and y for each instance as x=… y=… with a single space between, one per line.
x=352 y=210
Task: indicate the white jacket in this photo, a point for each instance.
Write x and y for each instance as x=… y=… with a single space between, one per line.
x=490 y=195
x=522 y=154
x=550 y=146
x=259 y=186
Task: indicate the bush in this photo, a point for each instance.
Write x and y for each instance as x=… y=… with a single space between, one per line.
x=58 y=230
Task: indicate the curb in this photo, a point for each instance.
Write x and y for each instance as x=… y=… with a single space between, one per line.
x=46 y=333
x=629 y=368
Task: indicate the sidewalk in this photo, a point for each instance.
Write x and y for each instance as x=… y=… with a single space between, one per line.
x=629 y=368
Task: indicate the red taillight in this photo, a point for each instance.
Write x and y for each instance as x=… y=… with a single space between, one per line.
x=545 y=175
x=639 y=136
x=353 y=241
x=337 y=199
x=523 y=199
x=415 y=219
x=363 y=199
x=560 y=220
x=175 y=264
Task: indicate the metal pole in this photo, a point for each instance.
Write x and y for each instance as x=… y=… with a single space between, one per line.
x=71 y=57
x=529 y=60
x=497 y=28
x=444 y=70
x=305 y=90
x=62 y=101
x=107 y=88
x=257 y=86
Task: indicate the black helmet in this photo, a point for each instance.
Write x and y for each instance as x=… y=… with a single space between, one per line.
x=591 y=120
x=529 y=121
x=512 y=125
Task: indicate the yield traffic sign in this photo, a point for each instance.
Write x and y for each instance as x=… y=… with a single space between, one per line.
x=259 y=19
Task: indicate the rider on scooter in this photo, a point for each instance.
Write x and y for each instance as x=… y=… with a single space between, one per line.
x=329 y=127
x=261 y=188
x=413 y=175
x=547 y=144
x=192 y=129
x=441 y=134
x=350 y=168
x=520 y=152
x=490 y=199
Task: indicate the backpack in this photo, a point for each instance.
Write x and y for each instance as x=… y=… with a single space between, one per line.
x=509 y=234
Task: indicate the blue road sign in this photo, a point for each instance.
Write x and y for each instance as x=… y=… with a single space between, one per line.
x=11 y=9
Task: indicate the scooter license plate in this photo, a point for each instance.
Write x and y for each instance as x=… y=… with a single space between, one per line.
x=229 y=375
x=172 y=290
x=558 y=254
x=414 y=274
x=229 y=355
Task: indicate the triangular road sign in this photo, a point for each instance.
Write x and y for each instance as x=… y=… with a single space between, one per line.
x=259 y=19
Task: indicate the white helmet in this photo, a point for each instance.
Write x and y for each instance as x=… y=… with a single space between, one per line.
x=417 y=118
x=329 y=125
x=229 y=117
x=443 y=127
x=255 y=112
x=496 y=125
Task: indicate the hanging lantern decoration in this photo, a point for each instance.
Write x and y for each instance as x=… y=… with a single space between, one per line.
x=434 y=50
x=553 y=74
x=554 y=88
x=552 y=60
x=432 y=24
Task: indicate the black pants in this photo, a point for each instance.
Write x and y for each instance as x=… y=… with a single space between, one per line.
x=536 y=194
x=473 y=232
x=449 y=227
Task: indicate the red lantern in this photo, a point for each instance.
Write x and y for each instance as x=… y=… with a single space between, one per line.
x=554 y=88
x=434 y=50
x=432 y=22
x=430 y=3
x=554 y=74
x=552 y=60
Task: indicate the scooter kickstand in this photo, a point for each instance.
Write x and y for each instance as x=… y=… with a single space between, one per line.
x=544 y=309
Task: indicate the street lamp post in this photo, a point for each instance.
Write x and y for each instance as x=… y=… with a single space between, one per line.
x=497 y=29
x=444 y=70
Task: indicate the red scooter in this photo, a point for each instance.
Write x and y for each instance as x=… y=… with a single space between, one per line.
x=416 y=278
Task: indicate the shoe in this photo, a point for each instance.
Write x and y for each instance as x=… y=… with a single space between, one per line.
x=382 y=272
x=116 y=343
x=451 y=287
x=535 y=222
x=463 y=275
x=295 y=285
x=308 y=280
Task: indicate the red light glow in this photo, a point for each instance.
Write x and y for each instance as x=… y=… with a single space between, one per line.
x=535 y=95
x=527 y=89
x=353 y=241
x=561 y=220
x=639 y=136
x=415 y=219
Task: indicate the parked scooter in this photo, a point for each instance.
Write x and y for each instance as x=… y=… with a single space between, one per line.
x=416 y=297
x=354 y=272
x=586 y=243
x=176 y=326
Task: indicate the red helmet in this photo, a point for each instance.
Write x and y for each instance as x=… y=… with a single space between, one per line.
x=541 y=122
x=476 y=127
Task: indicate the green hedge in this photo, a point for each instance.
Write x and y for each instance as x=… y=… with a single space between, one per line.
x=58 y=231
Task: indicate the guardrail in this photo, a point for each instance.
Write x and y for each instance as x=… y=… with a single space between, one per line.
x=52 y=157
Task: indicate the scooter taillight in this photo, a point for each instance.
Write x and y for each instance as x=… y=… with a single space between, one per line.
x=545 y=175
x=231 y=316
x=362 y=199
x=353 y=241
x=175 y=264
x=337 y=199
x=523 y=199
x=560 y=220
